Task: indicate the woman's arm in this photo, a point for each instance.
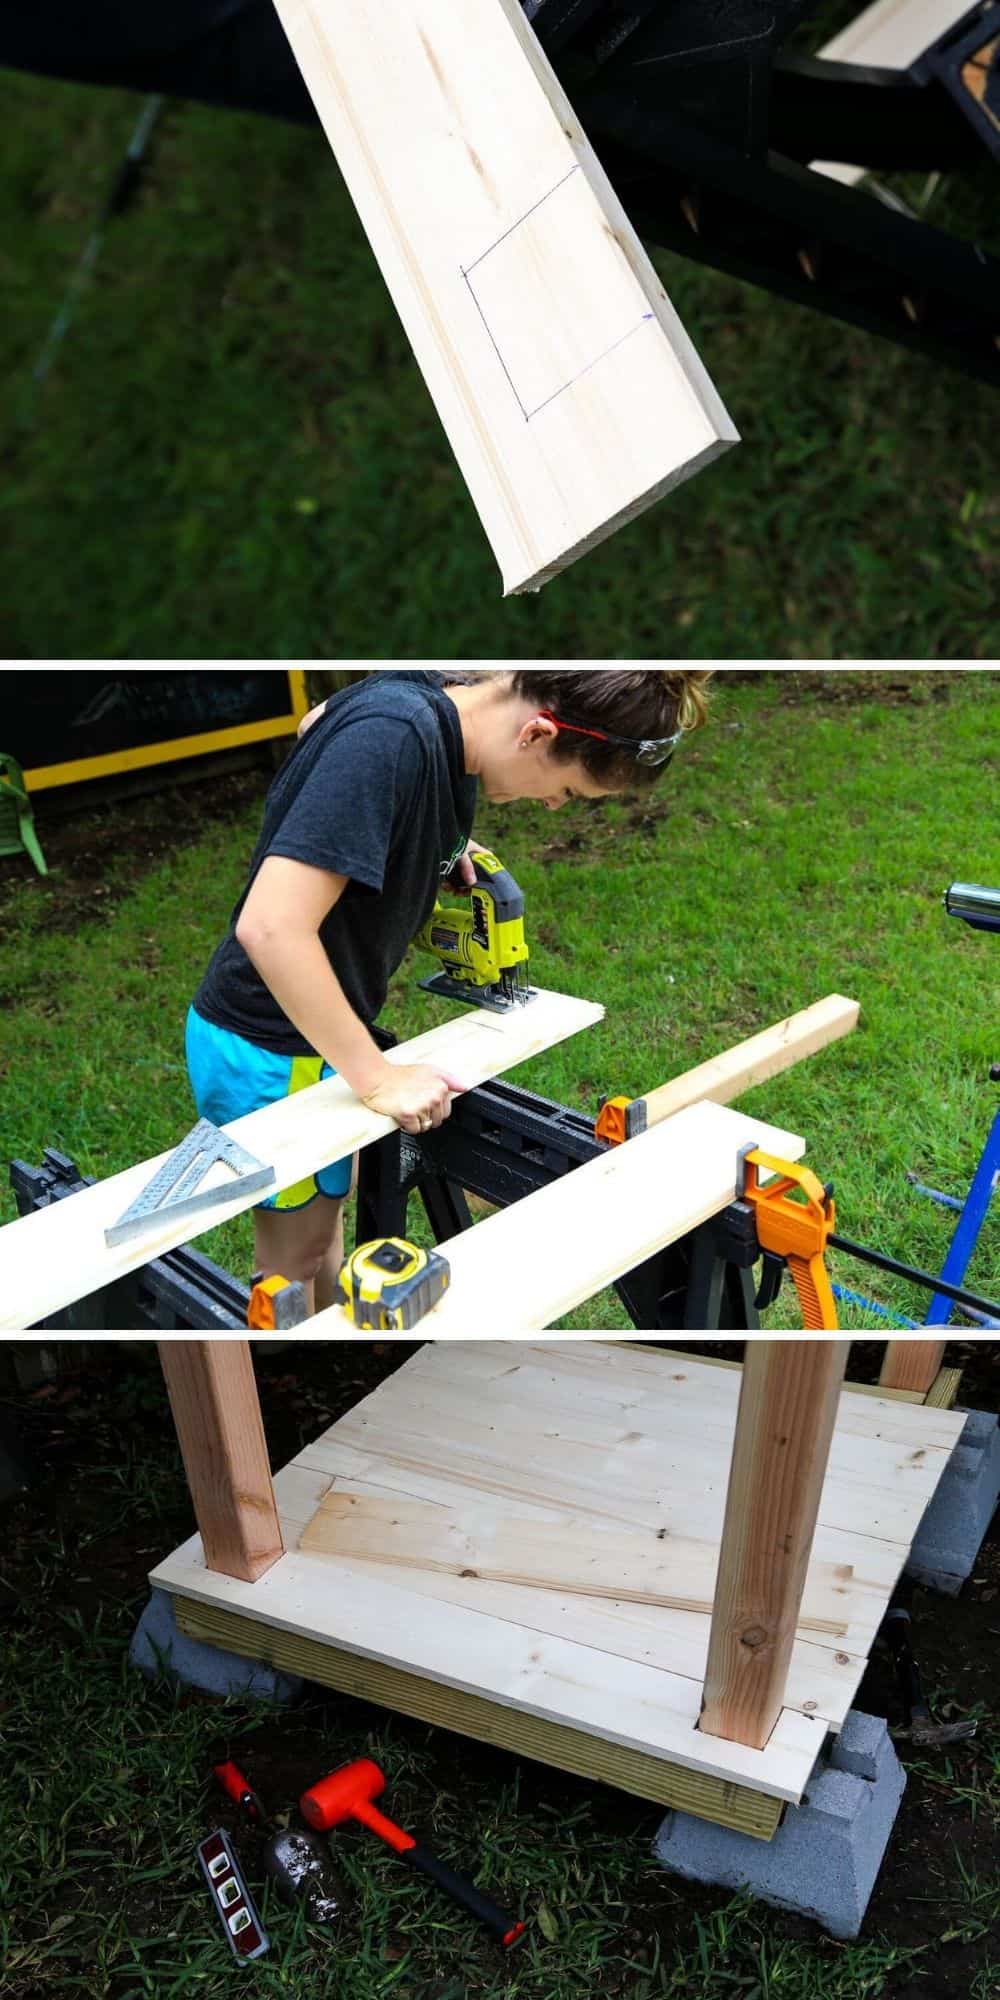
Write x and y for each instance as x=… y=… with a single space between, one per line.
x=279 y=929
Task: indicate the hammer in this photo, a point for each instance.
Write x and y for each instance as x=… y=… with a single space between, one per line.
x=921 y=1729
x=349 y=1794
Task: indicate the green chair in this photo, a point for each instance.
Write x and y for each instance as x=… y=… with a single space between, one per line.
x=17 y=821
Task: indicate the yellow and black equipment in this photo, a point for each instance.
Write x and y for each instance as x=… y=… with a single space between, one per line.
x=98 y=725
x=389 y=1285
x=481 y=943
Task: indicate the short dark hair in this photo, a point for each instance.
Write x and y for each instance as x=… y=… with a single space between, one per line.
x=627 y=701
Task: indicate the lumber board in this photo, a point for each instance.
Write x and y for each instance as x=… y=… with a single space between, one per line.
x=58 y=1254
x=943 y=1392
x=862 y=1573
x=565 y=1749
x=570 y=393
x=213 y=1397
x=643 y=1567
x=624 y=1701
x=890 y=34
x=541 y=1659
x=527 y=1265
x=784 y=1429
x=529 y=1433
x=715 y=1361
x=821 y=1681
x=755 y=1061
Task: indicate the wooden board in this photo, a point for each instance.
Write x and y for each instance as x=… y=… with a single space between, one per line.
x=595 y=1433
x=753 y=1062
x=527 y=1265
x=788 y=1410
x=641 y=1567
x=58 y=1254
x=216 y=1411
x=568 y=389
x=486 y=1722
x=891 y=34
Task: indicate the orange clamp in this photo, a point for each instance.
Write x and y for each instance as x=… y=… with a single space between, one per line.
x=276 y=1305
x=796 y=1230
x=621 y=1118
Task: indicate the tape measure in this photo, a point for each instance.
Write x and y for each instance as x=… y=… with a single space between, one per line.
x=387 y=1286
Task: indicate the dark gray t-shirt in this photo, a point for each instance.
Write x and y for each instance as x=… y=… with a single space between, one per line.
x=376 y=790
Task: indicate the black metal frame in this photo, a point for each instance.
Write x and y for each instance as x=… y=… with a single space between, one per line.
x=704 y=120
x=706 y=125
x=501 y=1143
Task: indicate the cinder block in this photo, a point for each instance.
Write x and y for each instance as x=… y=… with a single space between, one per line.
x=826 y=1854
x=954 y=1527
x=159 y=1647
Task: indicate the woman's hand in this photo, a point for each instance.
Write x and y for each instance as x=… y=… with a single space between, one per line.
x=466 y=870
x=415 y=1096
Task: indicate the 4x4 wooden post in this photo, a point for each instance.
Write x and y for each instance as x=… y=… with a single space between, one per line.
x=912 y=1364
x=216 y=1410
x=784 y=1429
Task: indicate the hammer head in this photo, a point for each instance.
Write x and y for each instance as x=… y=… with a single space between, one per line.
x=342 y=1796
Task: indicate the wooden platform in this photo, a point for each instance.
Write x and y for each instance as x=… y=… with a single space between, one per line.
x=610 y=1441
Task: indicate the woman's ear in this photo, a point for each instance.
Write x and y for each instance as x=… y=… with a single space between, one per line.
x=538 y=730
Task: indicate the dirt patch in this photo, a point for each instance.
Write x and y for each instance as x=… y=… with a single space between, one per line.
x=99 y=849
x=833 y=688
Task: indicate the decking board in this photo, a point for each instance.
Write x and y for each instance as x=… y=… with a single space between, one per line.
x=627 y=1676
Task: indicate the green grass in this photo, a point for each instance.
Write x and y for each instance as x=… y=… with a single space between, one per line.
x=105 y=1803
x=800 y=847
x=234 y=454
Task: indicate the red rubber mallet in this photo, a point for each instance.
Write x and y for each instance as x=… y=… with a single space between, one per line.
x=349 y=1794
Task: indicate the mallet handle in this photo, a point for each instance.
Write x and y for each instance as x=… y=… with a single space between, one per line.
x=507 y=1929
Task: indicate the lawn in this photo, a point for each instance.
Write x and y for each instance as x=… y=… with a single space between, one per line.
x=233 y=454
x=105 y=1784
x=801 y=846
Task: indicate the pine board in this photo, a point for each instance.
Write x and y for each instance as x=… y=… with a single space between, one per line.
x=469 y=1715
x=58 y=1254
x=528 y=1265
x=569 y=391
x=494 y=1428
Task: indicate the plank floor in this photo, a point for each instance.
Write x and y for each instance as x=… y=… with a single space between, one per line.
x=610 y=1440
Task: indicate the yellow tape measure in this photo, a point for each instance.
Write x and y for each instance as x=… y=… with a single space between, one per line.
x=389 y=1285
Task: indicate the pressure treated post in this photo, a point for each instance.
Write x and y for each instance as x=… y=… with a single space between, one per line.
x=912 y=1364
x=784 y=1428
x=213 y=1396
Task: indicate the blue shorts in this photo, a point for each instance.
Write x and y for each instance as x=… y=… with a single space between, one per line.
x=231 y=1076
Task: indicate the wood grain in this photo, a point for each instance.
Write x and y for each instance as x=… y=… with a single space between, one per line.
x=912 y=1364
x=753 y=1062
x=784 y=1429
x=642 y=1567
x=213 y=1397
x=569 y=391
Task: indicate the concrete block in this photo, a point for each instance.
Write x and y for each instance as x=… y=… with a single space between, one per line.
x=826 y=1854
x=159 y=1647
x=954 y=1527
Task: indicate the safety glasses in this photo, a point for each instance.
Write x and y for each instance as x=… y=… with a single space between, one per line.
x=654 y=751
